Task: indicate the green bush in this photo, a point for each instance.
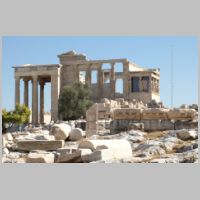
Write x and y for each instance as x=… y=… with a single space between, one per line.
x=74 y=101
x=19 y=116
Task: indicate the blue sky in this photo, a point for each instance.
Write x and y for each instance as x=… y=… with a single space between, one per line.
x=148 y=52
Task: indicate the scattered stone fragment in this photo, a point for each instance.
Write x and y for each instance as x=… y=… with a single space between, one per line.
x=187 y=134
x=185 y=148
x=4 y=142
x=5 y=151
x=76 y=134
x=65 y=155
x=134 y=136
x=121 y=148
x=8 y=136
x=34 y=129
x=149 y=149
x=60 y=131
x=40 y=157
x=100 y=155
x=40 y=145
x=35 y=136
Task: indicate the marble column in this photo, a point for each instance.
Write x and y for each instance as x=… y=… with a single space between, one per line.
x=35 y=100
x=112 y=81
x=17 y=90
x=26 y=92
x=55 y=88
x=88 y=76
x=126 y=80
x=100 y=83
x=42 y=83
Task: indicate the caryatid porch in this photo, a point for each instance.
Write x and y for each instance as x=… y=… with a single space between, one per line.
x=39 y=74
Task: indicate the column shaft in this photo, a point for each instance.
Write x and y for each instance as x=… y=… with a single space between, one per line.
x=41 y=102
x=17 y=90
x=55 y=88
x=112 y=81
x=88 y=76
x=26 y=92
x=100 y=83
x=35 y=100
x=126 y=82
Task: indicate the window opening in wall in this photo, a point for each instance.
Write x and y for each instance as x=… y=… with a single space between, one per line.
x=106 y=77
x=119 y=86
x=82 y=76
x=119 y=67
x=94 y=75
x=135 y=87
x=106 y=66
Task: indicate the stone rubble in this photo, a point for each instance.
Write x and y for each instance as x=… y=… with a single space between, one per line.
x=76 y=134
x=123 y=132
x=40 y=157
x=60 y=131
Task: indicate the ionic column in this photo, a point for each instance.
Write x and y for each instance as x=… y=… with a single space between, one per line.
x=55 y=88
x=112 y=81
x=26 y=92
x=42 y=83
x=17 y=90
x=35 y=100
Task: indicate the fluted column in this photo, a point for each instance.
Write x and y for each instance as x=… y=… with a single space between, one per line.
x=17 y=90
x=55 y=88
x=26 y=92
x=35 y=100
x=42 y=83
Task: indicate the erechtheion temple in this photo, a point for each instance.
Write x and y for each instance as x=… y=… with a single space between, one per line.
x=104 y=76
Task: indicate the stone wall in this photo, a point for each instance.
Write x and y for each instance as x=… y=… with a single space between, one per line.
x=154 y=113
x=126 y=115
x=153 y=119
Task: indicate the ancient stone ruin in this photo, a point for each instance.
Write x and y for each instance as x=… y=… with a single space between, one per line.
x=120 y=115
x=128 y=127
x=102 y=75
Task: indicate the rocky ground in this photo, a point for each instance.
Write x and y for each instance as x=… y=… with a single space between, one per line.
x=61 y=143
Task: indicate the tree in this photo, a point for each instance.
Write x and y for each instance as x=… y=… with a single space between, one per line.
x=19 y=116
x=74 y=101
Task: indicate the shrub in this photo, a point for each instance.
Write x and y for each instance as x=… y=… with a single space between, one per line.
x=19 y=116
